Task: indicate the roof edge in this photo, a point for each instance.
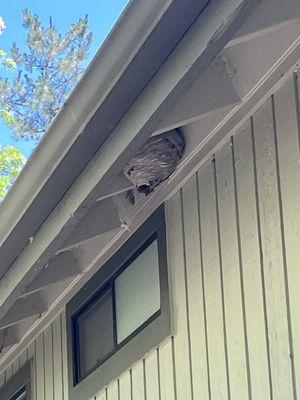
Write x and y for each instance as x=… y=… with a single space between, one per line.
x=128 y=35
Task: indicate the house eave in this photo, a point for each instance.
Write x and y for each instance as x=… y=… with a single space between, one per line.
x=102 y=78
x=189 y=62
x=110 y=85
x=205 y=39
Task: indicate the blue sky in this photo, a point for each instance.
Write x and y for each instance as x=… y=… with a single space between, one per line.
x=102 y=16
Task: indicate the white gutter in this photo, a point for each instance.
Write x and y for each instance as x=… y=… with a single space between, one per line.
x=131 y=31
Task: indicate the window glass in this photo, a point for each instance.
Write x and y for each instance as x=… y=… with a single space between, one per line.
x=137 y=292
x=95 y=333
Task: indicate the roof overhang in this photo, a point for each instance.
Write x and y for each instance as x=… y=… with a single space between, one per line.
x=144 y=37
x=146 y=79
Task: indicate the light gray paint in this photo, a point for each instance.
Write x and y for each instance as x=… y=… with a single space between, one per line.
x=270 y=15
x=60 y=267
x=24 y=308
x=137 y=292
x=101 y=217
x=110 y=63
x=153 y=333
x=201 y=138
x=190 y=58
x=212 y=90
x=21 y=379
x=233 y=245
x=128 y=60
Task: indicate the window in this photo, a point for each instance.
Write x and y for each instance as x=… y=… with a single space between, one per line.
x=94 y=332
x=121 y=313
x=130 y=299
x=137 y=292
x=18 y=387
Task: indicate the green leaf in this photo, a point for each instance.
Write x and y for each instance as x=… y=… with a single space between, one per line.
x=7 y=118
x=11 y=163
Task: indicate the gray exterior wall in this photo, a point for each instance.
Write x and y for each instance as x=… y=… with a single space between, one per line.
x=233 y=243
x=48 y=352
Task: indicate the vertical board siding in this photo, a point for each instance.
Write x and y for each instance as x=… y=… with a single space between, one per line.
x=231 y=273
x=57 y=360
x=176 y=258
x=48 y=360
x=112 y=391
x=152 y=376
x=125 y=386
x=138 y=381
x=166 y=371
x=194 y=284
x=251 y=262
x=272 y=251
x=233 y=252
x=287 y=136
x=48 y=353
x=213 y=296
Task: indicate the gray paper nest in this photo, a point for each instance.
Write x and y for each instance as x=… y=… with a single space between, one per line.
x=155 y=161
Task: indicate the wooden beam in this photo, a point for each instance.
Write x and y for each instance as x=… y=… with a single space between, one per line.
x=102 y=217
x=24 y=308
x=270 y=15
x=62 y=266
x=116 y=186
x=214 y=89
x=265 y=50
x=89 y=250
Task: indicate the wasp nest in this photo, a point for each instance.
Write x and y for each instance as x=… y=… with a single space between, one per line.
x=155 y=161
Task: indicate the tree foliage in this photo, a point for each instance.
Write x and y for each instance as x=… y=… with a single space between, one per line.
x=38 y=81
x=11 y=163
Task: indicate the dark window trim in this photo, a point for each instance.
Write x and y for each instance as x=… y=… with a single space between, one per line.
x=21 y=380
x=142 y=340
x=86 y=307
x=18 y=394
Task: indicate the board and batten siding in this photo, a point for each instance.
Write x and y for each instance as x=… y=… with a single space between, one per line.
x=234 y=265
x=48 y=352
